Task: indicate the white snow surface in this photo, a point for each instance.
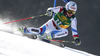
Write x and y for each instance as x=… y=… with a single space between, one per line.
x=17 y=45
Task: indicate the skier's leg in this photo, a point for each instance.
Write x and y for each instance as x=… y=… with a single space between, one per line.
x=37 y=31
x=56 y=34
x=33 y=32
x=47 y=27
x=60 y=33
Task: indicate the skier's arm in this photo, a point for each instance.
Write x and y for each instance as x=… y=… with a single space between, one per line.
x=74 y=28
x=75 y=32
x=55 y=9
x=52 y=10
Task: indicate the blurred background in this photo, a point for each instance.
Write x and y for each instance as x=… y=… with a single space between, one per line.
x=87 y=16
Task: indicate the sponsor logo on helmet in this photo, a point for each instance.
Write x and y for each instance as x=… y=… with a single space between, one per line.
x=72 y=7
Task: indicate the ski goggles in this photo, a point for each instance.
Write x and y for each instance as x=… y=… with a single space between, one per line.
x=71 y=12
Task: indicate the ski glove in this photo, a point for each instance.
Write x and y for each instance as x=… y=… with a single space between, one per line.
x=49 y=12
x=77 y=41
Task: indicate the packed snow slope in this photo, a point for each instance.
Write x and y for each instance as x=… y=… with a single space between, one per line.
x=15 y=45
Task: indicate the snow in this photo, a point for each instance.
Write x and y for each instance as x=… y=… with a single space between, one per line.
x=15 y=44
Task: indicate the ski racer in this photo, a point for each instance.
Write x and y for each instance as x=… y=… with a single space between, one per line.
x=57 y=26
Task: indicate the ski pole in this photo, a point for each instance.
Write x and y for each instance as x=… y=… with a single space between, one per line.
x=64 y=41
x=54 y=3
x=66 y=1
x=25 y=18
x=56 y=40
x=54 y=6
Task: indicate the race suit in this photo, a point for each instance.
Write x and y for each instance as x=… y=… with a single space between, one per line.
x=57 y=26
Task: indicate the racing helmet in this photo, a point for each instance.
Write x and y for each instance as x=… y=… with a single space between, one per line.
x=71 y=7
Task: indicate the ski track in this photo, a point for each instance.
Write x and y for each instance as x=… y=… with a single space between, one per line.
x=12 y=43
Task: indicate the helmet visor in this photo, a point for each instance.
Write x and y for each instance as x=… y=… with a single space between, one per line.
x=71 y=12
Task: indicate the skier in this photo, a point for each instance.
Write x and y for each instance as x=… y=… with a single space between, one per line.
x=57 y=26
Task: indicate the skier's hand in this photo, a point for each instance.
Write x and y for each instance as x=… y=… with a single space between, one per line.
x=49 y=12
x=77 y=41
